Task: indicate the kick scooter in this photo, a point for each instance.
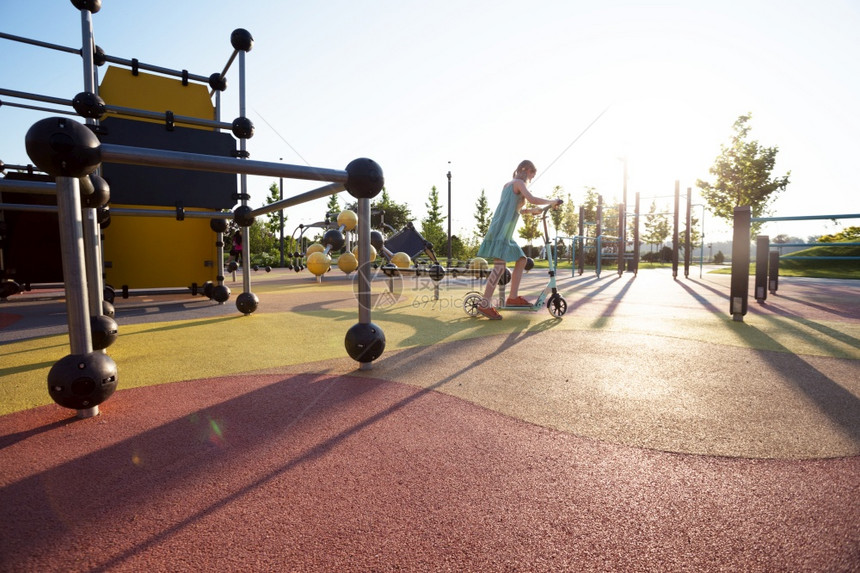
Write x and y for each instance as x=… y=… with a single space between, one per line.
x=555 y=303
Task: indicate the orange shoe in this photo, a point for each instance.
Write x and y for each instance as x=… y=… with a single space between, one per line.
x=518 y=301
x=490 y=312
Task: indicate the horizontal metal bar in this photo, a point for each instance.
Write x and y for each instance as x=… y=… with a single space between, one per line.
x=123 y=212
x=805 y=218
x=34 y=187
x=35 y=97
x=40 y=43
x=128 y=212
x=820 y=258
x=157 y=69
x=320 y=193
x=815 y=244
x=28 y=208
x=112 y=153
x=162 y=116
x=36 y=108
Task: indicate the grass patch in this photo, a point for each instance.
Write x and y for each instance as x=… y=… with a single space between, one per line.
x=822 y=269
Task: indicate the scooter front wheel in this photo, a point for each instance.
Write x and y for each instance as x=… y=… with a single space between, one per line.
x=556 y=305
x=472 y=302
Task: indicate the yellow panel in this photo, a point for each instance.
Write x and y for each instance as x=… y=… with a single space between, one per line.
x=156 y=252
x=155 y=93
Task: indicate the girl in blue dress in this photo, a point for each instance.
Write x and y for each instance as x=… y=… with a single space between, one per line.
x=499 y=244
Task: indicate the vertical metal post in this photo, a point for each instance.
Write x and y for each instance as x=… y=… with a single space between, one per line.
x=581 y=257
x=281 y=216
x=740 y=263
x=599 y=241
x=622 y=242
x=688 y=248
x=450 y=252
x=675 y=231
x=74 y=271
x=364 y=268
x=243 y=180
x=91 y=228
x=773 y=271
x=762 y=246
x=635 y=262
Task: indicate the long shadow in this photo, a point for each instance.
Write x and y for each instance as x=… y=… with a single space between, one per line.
x=842 y=313
x=610 y=309
x=174 y=453
x=586 y=297
x=838 y=404
x=12 y=439
x=184 y=450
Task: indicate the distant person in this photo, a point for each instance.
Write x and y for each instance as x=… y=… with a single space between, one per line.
x=499 y=244
x=236 y=250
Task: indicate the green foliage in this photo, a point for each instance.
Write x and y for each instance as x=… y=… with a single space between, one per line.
x=590 y=210
x=719 y=258
x=742 y=173
x=332 y=208
x=482 y=215
x=386 y=211
x=557 y=215
x=273 y=219
x=431 y=225
x=656 y=226
x=530 y=228
x=570 y=218
x=848 y=235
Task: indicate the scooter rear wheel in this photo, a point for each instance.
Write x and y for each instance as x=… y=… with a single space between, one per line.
x=556 y=305
x=472 y=302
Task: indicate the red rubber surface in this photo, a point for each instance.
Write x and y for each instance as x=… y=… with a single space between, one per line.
x=312 y=472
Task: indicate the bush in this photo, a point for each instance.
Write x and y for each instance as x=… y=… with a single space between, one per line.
x=719 y=258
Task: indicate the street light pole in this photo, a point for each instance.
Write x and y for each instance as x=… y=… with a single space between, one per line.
x=449 y=215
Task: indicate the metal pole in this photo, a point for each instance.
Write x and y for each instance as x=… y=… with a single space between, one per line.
x=281 y=215
x=635 y=262
x=675 y=231
x=449 y=215
x=688 y=247
x=74 y=271
x=243 y=179
x=364 y=268
x=740 y=282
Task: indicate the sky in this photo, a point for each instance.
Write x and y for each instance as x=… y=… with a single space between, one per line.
x=473 y=87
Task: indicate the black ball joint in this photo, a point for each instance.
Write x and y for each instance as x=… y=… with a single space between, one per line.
x=62 y=147
x=91 y=5
x=364 y=178
x=241 y=40
x=243 y=128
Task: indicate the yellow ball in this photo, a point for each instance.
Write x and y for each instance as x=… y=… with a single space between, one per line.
x=315 y=248
x=347 y=262
x=348 y=219
x=372 y=252
x=478 y=264
x=401 y=260
x=319 y=263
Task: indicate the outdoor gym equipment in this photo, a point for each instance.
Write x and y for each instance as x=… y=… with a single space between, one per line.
x=555 y=303
x=739 y=289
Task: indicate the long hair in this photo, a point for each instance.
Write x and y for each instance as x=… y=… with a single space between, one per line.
x=524 y=165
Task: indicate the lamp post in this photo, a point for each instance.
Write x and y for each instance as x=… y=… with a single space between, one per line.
x=449 y=215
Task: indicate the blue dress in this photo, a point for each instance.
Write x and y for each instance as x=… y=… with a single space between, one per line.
x=499 y=243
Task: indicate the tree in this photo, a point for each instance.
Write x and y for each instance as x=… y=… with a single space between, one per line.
x=849 y=234
x=332 y=208
x=389 y=212
x=273 y=219
x=570 y=218
x=482 y=215
x=529 y=229
x=590 y=209
x=656 y=227
x=431 y=225
x=742 y=174
x=556 y=214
